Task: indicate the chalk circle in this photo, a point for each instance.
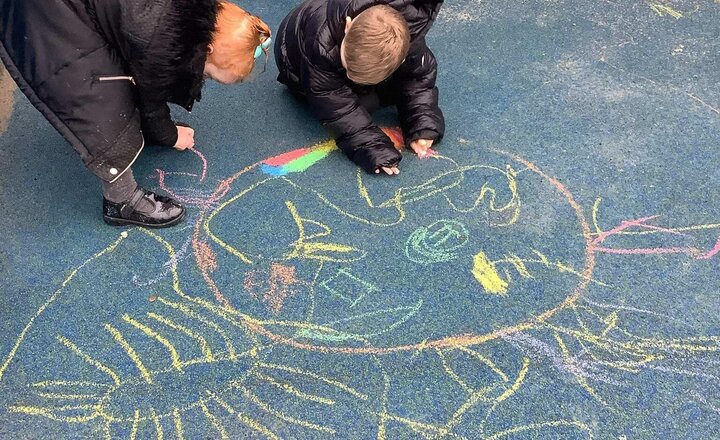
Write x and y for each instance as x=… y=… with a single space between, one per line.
x=422 y=253
x=436 y=243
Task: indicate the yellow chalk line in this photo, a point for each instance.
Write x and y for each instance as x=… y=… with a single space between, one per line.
x=130 y=351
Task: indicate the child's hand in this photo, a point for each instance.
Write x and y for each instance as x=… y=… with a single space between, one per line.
x=421 y=146
x=390 y=171
x=186 y=138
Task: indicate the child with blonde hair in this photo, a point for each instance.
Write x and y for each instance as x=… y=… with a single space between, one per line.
x=102 y=72
x=347 y=58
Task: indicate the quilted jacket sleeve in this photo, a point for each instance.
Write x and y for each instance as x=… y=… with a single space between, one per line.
x=420 y=114
x=157 y=125
x=338 y=108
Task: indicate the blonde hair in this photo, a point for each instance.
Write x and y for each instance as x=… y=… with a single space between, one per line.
x=237 y=35
x=376 y=44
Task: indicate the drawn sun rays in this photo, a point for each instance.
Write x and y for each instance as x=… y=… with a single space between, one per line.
x=184 y=363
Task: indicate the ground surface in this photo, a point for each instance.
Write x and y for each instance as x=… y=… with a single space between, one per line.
x=551 y=274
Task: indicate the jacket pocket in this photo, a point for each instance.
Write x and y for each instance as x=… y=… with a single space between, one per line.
x=109 y=78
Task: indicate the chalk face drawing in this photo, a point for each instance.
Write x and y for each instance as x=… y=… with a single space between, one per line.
x=305 y=302
x=335 y=242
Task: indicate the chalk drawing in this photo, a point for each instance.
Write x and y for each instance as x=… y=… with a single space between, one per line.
x=307 y=317
x=437 y=242
x=348 y=287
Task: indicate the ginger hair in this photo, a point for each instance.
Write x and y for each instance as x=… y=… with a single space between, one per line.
x=237 y=35
x=376 y=44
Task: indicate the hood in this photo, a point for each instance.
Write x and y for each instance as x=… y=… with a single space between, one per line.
x=419 y=14
x=163 y=42
x=175 y=57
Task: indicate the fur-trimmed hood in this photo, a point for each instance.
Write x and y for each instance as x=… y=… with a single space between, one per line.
x=163 y=42
x=73 y=59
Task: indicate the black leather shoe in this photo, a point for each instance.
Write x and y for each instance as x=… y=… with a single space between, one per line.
x=167 y=212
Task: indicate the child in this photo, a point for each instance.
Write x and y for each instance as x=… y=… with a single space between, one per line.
x=103 y=71
x=346 y=58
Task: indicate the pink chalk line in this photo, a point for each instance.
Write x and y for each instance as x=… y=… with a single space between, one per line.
x=430 y=153
x=201 y=201
x=648 y=251
x=204 y=202
x=204 y=162
x=642 y=222
x=712 y=253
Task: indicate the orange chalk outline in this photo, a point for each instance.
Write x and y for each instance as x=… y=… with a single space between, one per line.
x=449 y=341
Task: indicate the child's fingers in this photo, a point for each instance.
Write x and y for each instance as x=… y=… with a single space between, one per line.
x=415 y=145
x=425 y=143
x=421 y=147
x=186 y=138
x=182 y=146
x=390 y=171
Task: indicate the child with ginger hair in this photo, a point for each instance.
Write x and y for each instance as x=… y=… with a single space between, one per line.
x=102 y=72
x=347 y=58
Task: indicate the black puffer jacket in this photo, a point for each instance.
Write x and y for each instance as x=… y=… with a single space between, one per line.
x=307 y=51
x=103 y=71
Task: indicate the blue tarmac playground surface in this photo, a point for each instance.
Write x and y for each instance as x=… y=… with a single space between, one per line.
x=552 y=273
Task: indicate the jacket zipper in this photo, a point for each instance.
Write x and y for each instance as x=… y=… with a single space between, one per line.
x=117 y=78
